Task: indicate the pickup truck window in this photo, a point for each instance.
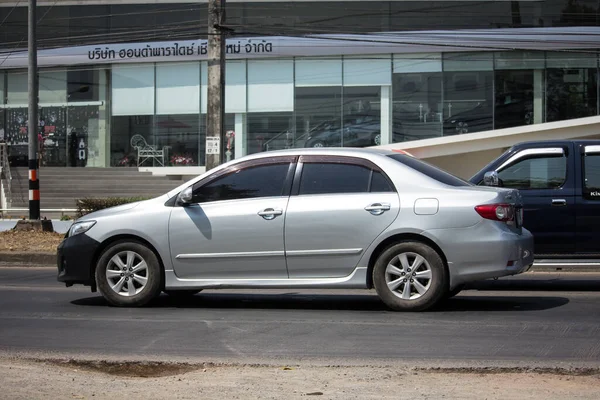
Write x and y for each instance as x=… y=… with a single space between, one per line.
x=539 y=171
x=591 y=176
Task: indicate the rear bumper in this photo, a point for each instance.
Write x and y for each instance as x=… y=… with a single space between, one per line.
x=486 y=252
x=75 y=256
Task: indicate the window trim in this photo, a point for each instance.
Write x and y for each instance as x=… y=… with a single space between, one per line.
x=327 y=159
x=287 y=184
x=535 y=153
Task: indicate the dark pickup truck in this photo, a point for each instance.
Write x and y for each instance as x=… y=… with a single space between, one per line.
x=560 y=185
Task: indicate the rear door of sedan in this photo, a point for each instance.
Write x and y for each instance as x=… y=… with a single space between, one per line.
x=339 y=205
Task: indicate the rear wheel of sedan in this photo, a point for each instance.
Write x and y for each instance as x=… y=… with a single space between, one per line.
x=410 y=276
x=128 y=274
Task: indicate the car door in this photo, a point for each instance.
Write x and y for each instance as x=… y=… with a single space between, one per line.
x=588 y=202
x=544 y=178
x=233 y=227
x=339 y=205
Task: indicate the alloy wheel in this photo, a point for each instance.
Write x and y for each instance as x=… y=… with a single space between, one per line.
x=408 y=276
x=127 y=273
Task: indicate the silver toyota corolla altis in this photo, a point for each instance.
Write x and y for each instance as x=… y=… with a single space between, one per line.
x=306 y=218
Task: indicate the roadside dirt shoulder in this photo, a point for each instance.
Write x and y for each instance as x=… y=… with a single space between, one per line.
x=25 y=379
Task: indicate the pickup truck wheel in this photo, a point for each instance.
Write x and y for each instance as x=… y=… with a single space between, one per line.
x=128 y=274
x=410 y=276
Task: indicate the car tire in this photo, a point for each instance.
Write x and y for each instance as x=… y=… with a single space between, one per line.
x=318 y=144
x=427 y=284
x=181 y=294
x=114 y=283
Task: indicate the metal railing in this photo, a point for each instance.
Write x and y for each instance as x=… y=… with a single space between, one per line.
x=6 y=175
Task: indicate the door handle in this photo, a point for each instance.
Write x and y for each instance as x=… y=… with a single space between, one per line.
x=378 y=208
x=559 y=202
x=270 y=213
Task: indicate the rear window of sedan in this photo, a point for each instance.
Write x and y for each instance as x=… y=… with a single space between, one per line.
x=430 y=170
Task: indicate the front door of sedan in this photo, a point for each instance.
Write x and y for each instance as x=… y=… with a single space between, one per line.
x=339 y=205
x=233 y=228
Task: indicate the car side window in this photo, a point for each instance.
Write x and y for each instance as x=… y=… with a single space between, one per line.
x=536 y=172
x=336 y=178
x=591 y=176
x=379 y=183
x=258 y=181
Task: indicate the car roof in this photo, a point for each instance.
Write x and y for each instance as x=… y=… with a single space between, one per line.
x=343 y=151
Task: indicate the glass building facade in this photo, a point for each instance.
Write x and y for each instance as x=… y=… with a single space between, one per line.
x=99 y=115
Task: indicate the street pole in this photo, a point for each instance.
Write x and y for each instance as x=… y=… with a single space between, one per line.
x=32 y=125
x=215 y=113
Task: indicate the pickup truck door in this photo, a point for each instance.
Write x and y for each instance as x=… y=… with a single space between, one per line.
x=545 y=177
x=588 y=202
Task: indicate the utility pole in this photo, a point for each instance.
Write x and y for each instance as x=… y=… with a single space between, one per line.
x=215 y=113
x=33 y=125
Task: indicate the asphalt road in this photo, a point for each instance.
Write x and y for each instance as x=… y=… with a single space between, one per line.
x=542 y=319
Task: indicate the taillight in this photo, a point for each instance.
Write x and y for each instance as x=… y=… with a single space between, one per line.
x=497 y=212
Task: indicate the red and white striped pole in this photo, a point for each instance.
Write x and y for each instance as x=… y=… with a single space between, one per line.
x=33 y=125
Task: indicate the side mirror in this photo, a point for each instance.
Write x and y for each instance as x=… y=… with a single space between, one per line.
x=491 y=179
x=185 y=197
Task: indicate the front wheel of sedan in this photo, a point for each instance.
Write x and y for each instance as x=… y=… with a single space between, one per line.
x=128 y=274
x=410 y=276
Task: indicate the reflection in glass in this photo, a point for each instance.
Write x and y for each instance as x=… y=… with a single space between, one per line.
x=571 y=93
x=417 y=105
x=124 y=129
x=318 y=116
x=514 y=98
x=265 y=128
x=178 y=135
x=468 y=93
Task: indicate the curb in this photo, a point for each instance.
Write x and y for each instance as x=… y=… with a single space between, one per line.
x=28 y=259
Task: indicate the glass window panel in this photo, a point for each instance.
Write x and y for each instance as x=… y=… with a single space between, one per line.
x=2 y=92
x=592 y=176
x=178 y=135
x=417 y=63
x=368 y=71
x=535 y=173
x=568 y=60
x=417 y=106
x=514 y=98
x=235 y=87
x=253 y=182
x=265 y=128
x=123 y=129
x=318 y=118
x=379 y=183
x=133 y=89
x=571 y=89
x=361 y=120
x=323 y=178
x=519 y=60
x=84 y=85
x=178 y=88
x=468 y=93
x=53 y=87
x=270 y=85
x=17 y=88
x=319 y=72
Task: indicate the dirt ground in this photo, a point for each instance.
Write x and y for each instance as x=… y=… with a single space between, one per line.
x=29 y=241
x=25 y=379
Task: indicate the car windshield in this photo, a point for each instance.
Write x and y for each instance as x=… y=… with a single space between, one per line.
x=430 y=170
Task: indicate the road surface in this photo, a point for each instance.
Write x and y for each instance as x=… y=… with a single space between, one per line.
x=540 y=319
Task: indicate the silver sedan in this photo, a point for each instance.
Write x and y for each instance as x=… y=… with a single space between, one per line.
x=306 y=218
